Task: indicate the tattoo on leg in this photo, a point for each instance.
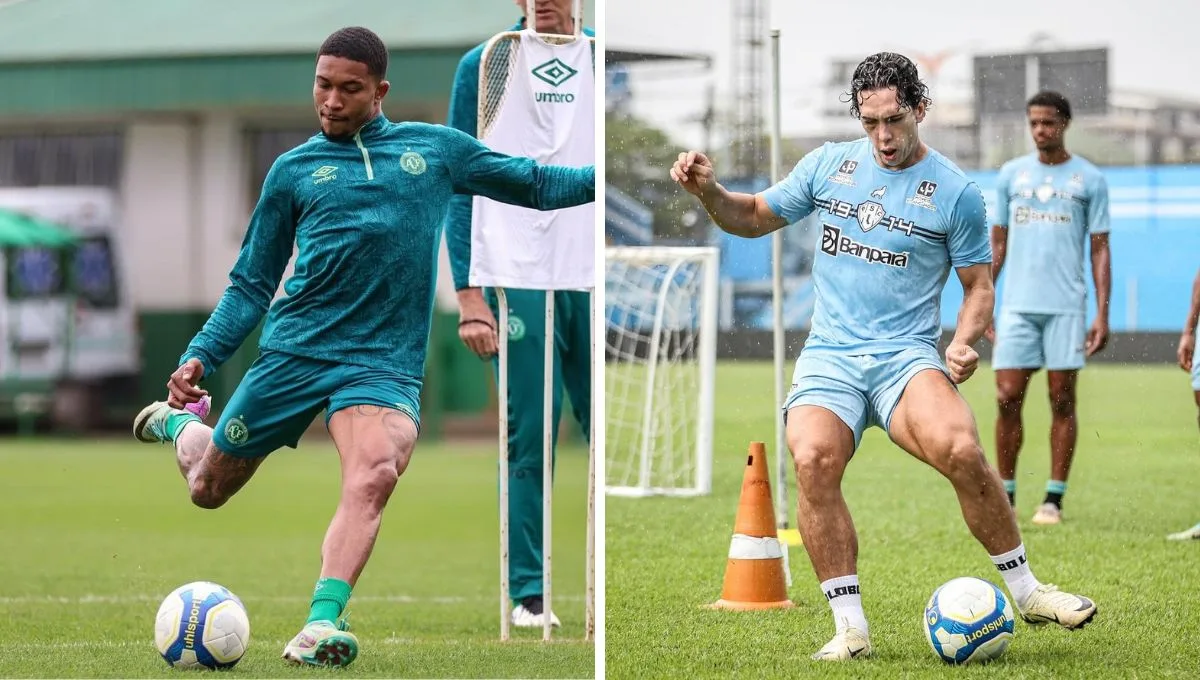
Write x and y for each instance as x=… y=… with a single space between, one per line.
x=220 y=475
x=398 y=424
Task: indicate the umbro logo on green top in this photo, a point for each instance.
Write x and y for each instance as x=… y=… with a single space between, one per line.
x=324 y=174
x=554 y=72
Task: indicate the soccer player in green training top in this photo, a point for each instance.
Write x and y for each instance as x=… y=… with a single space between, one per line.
x=364 y=201
x=526 y=346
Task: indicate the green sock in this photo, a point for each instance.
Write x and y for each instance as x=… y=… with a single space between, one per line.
x=177 y=420
x=329 y=600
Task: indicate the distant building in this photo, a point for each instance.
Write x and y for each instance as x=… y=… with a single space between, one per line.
x=1138 y=128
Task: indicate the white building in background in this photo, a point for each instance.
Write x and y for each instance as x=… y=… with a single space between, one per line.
x=1139 y=128
x=182 y=122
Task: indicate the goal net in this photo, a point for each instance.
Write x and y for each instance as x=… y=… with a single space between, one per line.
x=660 y=358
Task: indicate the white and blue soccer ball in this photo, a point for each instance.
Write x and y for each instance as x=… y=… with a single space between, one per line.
x=968 y=620
x=202 y=625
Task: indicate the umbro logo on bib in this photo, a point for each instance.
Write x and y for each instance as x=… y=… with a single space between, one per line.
x=554 y=72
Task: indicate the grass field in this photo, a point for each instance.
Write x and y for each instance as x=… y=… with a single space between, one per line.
x=1134 y=480
x=95 y=534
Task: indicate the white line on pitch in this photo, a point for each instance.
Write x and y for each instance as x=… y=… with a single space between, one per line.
x=130 y=644
x=125 y=599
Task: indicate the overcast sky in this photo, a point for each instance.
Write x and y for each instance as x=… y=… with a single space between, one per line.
x=1152 y=44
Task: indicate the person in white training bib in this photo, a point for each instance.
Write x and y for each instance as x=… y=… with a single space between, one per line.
x=549 y=112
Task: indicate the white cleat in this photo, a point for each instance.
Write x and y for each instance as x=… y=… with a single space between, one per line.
x=1048 y=604
x=849 y=643
x=524 y=618
x=323 y=643
x=1048 y=513
x=1192 y=534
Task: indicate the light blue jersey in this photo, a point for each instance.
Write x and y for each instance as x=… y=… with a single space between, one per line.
x=1050 y=211
x=888 y=241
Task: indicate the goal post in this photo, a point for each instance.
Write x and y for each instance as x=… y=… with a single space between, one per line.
x=660 y=366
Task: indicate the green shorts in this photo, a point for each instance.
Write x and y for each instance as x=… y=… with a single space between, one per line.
x=280 y=395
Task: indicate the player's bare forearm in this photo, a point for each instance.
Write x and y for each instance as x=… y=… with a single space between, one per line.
x=740 y=214
x=732 y=212
x=979 y=299
x=1102 y=274
x=999 y=250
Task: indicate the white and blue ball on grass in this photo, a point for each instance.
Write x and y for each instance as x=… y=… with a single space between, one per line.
x=202 y=625
x=968 y=621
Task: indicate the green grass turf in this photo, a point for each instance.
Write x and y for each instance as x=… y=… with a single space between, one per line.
x=1133 y=481
x=95 y=534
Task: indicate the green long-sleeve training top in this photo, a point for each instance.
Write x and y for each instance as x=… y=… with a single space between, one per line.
x=366 y=216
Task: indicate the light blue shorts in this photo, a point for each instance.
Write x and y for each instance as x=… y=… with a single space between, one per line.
x=1196 y=370
x=862 y=390
x=1050 y=341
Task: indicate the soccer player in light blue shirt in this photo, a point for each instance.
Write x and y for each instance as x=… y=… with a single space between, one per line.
x=896 y=217
x=1049 y=205
x=1189 y=360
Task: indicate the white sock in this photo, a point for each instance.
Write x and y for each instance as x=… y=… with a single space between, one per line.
x=846 y=602
x=1014 y=567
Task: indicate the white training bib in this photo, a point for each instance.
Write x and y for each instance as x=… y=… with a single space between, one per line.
x=548 y=115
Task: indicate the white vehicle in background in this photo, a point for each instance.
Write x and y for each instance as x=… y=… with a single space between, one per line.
x=68 y=331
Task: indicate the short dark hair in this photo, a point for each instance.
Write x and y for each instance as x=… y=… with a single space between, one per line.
x=889 y=69
x=357 y=44
x=1052 y=99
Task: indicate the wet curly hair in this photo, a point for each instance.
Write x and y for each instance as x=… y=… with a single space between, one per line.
x=888 y=69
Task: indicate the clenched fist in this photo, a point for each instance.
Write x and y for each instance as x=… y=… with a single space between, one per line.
x=694 y=172
x=961 y=361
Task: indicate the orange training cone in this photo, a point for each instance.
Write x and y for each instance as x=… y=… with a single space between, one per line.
x=754 y=574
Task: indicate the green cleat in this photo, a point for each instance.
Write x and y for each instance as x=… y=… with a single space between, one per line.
x=323 y=643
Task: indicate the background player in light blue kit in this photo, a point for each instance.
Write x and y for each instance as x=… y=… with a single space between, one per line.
x=1049 y=204
x=896 y=216
x=363 y=203
x=1189 y=360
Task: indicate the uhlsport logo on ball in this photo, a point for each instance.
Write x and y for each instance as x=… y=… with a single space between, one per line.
x=968 y=620
x=202 y=625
